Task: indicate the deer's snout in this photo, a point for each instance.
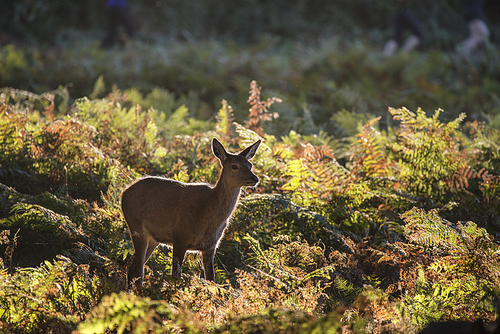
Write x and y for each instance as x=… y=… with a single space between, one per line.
x=254 y=180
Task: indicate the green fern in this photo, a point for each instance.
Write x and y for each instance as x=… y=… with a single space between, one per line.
x=428 y=229
x=429 y=151
x=99 y=88
x=128 y=313
x=347 y=290
x=256 y=248
x=225 y=119
x=465 y=270
x=39 y=224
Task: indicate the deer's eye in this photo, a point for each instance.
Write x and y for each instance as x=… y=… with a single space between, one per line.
x=234 y=167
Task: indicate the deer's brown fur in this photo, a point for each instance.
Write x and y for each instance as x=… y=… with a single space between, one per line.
x=186 y=216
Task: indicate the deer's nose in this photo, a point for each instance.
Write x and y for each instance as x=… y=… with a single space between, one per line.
x=254 y=181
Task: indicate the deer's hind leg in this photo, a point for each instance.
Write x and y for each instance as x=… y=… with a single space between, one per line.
x=144 y=245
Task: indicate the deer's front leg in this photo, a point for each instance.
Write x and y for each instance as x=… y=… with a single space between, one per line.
x=208 y=264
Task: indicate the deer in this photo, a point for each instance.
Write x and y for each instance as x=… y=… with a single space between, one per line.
x=185 y=216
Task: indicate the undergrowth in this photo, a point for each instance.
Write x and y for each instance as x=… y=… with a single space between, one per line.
x=331 y=84
x=385 y=232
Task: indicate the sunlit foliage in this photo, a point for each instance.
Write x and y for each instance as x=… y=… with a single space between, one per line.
x=385 y=233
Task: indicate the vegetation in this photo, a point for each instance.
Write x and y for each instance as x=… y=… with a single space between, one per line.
x=378 y=204
x=378 y=244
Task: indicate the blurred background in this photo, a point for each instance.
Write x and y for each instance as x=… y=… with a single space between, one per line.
x=244 y=21
x=323 y=58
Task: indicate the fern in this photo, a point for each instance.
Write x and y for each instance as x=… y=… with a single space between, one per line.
x=126 y=313
x=347 y=290
x=266 y=167
x=99 y=88
x=259 y=109
x=369 y=159
x=349 y=123
x=256 y=248
x=39 y=224
x=278 y=320
x=428 y=229
x=467 y=268
x=225 y=120
x=157 y=99
x=430 y=151
x=312 y=172
x=300 y=182
x=287 y=217
x=460 y=179
x=54 y=295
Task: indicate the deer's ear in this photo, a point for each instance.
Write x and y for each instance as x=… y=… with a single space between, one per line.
x=249 y=152
x=219 y=150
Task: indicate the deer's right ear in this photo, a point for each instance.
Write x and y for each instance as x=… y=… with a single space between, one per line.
x=219 y=150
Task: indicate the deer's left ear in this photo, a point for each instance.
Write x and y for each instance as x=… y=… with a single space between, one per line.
x=249 y=152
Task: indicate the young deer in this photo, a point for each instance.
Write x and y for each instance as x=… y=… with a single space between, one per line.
x=186 y=216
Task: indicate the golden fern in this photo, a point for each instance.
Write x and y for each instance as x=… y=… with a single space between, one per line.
x=368 y=156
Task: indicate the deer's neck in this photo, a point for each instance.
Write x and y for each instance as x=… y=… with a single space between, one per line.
x=226 y=197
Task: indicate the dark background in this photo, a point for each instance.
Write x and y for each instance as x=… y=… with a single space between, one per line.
x=244 y=20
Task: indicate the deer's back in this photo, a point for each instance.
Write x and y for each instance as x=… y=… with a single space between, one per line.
x=170 y=210
x=160 y=197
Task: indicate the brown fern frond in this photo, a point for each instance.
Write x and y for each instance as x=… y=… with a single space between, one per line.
x=49 y=110
x=319 y=153
x=460 y=179
x=259 y=109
